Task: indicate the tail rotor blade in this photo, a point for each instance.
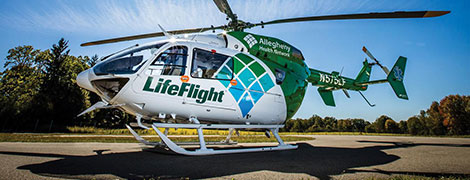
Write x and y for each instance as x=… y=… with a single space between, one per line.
x=368 y=53
x=385 y=69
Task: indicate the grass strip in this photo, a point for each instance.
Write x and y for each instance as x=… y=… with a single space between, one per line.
x=101 y=131
x=5 y=137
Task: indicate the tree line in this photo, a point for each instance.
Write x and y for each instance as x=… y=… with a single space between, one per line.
x=38 y=93
x=450 y=116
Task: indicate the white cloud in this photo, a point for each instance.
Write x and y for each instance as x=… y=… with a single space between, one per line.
x=142 y=16
x=139 y=16
x=114 y=16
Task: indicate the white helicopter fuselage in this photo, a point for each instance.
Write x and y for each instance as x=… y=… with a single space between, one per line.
x=177 y=79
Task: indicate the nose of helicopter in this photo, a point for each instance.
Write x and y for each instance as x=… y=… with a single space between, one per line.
x=83 y=80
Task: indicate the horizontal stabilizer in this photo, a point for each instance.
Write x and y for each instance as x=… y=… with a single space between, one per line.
x=327 y=97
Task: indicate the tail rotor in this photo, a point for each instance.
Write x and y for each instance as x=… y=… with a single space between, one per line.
x=385 y=69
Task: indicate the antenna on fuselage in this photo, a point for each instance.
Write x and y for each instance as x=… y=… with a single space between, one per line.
x=194 y=37
x=344 y=90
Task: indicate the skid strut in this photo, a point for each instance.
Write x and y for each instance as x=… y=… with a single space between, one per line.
x=203 y=150
x=168 y=144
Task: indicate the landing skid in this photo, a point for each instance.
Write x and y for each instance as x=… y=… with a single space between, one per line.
x=148 y=143
x=161 y=144
x=168 y=144
x=142 y=140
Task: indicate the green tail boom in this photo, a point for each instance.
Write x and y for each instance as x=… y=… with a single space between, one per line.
x=329 y=82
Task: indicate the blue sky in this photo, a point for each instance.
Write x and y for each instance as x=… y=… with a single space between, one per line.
x=438 y=49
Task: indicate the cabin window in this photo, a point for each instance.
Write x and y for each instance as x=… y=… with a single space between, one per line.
x=211 y=65
x=297 y=54
x=173 y=60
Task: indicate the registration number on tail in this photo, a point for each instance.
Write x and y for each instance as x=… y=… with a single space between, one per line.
x=330 y=79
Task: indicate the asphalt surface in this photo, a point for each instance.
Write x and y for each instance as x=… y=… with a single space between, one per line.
x=330 y=156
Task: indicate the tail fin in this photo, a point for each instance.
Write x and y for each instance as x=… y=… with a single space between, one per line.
x=395 y=78
x=364 y=74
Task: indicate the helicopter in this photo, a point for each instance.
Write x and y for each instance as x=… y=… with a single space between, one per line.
x=232 y=80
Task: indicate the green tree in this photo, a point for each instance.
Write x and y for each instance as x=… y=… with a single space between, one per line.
x=21 y=56
x=434 y=120
x=93 y=60
x=414 y=125
x=455 y=111
x=359 y=125
x=316 y=122
x=391 y=126
x=38 y=89
x=19 y=84
x=287 y=126
x=318 y=125
x=344 y=125
x=370 y=128
x=61 y=99
x=402 y=125
x=297 y=126
x=330 y=124
x=379 y=123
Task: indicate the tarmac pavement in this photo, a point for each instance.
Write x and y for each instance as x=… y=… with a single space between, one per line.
x=329 y=156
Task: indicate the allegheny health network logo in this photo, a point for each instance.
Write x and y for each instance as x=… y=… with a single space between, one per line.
x=250 y=40
x=253 y=81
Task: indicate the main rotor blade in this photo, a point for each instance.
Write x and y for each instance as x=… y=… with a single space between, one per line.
x=224 y=7
x=380 y=15
x=149 y=35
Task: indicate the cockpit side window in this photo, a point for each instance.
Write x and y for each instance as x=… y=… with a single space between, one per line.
x=297 y=54
x=211 y=65
x=128 y=62
x=173 y=60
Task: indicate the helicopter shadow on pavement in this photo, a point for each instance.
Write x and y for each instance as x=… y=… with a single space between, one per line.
x=321 y=162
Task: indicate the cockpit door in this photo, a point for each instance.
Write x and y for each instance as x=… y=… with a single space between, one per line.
x=210 y=74
x=162 y=77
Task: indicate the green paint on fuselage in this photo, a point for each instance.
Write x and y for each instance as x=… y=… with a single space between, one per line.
x=277 y=54
x=333 y=81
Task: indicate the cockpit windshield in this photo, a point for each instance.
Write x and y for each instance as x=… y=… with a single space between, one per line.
x=127 y=62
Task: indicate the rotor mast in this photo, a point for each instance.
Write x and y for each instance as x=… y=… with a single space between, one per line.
x=234 y=24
